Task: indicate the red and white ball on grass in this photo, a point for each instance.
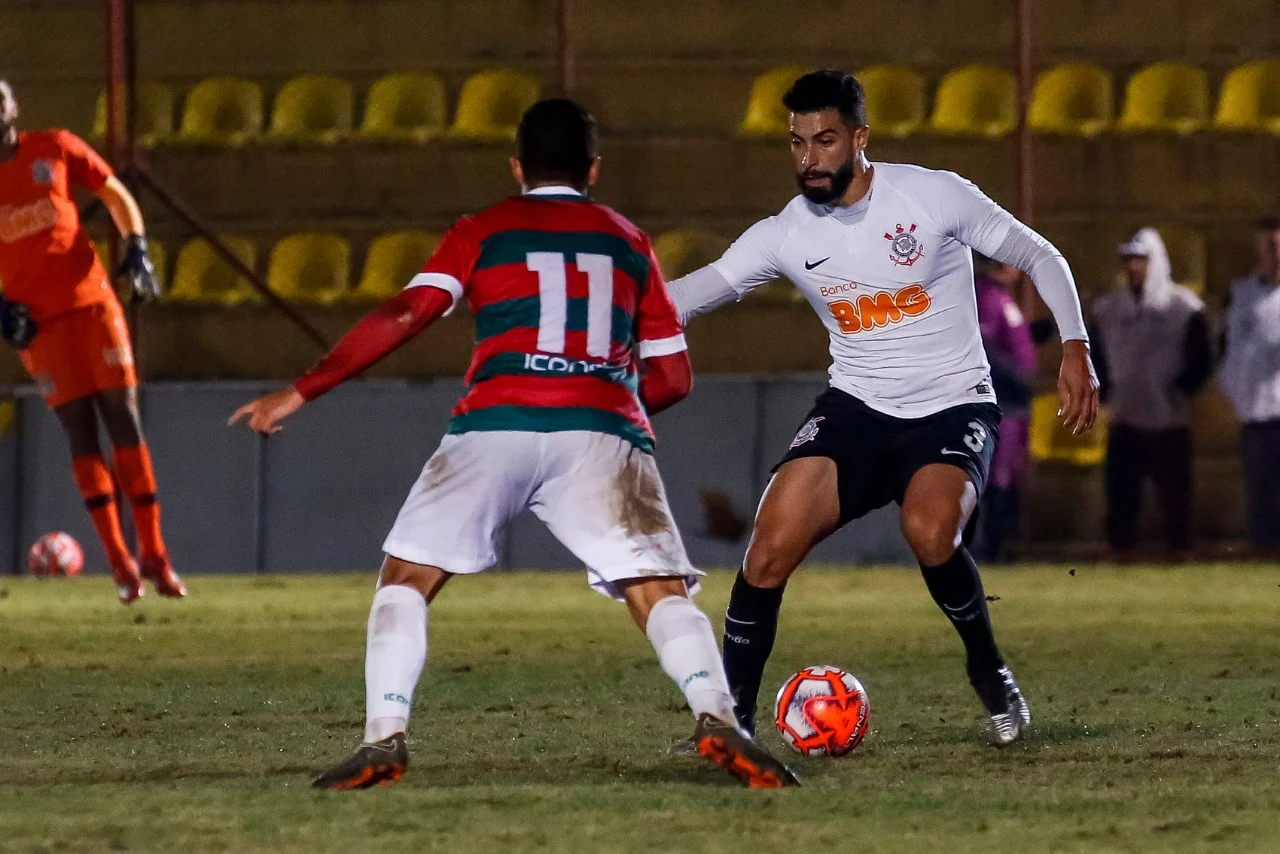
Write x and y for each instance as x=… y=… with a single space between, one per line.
x=56 y=554
x=823 y=711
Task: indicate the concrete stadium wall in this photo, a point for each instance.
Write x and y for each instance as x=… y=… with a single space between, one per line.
x=321 y=496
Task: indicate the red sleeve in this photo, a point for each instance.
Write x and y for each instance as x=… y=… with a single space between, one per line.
x=666 y=381
x=451 y=265
x=658 y=330
x=84 y=165
x=382 y=330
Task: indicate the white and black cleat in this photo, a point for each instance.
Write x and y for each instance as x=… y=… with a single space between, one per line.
x=1010 y=722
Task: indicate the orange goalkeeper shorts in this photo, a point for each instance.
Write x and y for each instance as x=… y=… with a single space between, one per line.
x=80 y=353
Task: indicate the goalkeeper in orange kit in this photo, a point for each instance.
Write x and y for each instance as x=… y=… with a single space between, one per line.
x=60 y=311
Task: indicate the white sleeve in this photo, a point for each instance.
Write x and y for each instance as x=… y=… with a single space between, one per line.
x=699 y=292
x=979 y=223
x=747 y=264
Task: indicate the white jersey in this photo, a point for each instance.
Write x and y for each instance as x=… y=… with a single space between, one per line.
x=891 y=277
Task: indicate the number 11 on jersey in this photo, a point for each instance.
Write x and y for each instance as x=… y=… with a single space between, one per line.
x=553 y=300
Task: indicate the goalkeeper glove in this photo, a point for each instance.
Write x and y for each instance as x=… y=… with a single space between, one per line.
x=16 y=325
x=136 y=269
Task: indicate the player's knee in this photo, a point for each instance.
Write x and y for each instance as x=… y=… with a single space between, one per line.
x=427 y=580
x=770 y=561
x=933 y=537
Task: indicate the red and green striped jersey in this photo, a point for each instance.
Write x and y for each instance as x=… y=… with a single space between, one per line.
x=567 y=296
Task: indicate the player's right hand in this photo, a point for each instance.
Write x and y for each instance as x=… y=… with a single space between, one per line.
x=1077 y=388
x=266 y=413
x=16 y=324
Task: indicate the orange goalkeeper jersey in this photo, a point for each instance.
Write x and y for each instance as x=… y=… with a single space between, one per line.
x=47 y=262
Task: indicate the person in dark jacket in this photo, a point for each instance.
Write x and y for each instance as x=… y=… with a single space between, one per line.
x=1152 y=353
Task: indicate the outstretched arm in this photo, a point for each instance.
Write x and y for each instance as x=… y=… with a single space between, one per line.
x=382 y=331
x=135 y=268
x=744 y=266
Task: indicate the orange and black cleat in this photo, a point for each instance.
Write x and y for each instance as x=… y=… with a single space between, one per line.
x=373 y=764
x=159 y=571
x=727 y=745
x=129 y=586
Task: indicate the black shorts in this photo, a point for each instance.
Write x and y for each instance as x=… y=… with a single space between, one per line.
x=876 y=455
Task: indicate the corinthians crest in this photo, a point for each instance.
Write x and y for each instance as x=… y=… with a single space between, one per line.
x=904 y=247
x=808 y=432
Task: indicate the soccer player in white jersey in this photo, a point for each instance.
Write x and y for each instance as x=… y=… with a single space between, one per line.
x=882 y=253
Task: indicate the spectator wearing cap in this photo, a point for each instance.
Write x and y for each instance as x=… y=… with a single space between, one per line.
x=1006 y=336
x=1152 y=353
x=1251 y=379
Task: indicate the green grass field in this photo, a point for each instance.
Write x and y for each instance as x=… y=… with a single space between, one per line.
x=542 y=720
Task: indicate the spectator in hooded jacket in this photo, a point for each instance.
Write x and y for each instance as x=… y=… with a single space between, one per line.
x=1153 y=356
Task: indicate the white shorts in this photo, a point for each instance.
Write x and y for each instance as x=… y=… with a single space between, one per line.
x=598 y=494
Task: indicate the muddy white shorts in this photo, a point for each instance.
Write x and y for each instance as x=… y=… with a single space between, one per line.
x=598 y=494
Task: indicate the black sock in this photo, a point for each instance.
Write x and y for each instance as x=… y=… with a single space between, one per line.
x=957 y=589
x=750 y=625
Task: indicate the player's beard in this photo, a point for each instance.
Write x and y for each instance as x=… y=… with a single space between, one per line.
x=840 y=181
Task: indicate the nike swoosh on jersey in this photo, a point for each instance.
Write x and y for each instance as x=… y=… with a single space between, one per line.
x=957 y=453
x=810 y=265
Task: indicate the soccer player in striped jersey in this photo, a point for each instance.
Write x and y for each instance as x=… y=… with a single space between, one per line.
x=577 y=342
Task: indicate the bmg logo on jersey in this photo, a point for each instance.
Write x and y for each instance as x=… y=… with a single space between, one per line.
x=881 y=309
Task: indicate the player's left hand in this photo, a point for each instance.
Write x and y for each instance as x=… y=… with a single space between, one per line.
x=266 y=413
x=136 y=269
x=16 y=324
x=1077 y=388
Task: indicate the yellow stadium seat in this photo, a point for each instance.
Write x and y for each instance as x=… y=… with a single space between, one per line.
x=1051 y=442
x=313 y=109
x=201 y=276
x=1168 y=97
x=491 y=103
x=766 y=117
x=682 y=251
x=405 y=108
x=1250 y=98
x=1076 y=99
x=154 y=118
x=976 y=100
x=159 y=258
x=392 y=260
x=310 y=268
x=895 y=100
x=222 y=111
x=1187 y=256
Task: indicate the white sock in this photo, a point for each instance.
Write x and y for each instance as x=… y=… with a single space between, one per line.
x=395 y=651
x=687 y=650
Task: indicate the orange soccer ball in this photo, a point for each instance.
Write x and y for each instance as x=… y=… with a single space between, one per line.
x=823 y=711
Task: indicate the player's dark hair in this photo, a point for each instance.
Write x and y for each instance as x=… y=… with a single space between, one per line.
x=828 y=89
x=1268 y=223
x=557 y=141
